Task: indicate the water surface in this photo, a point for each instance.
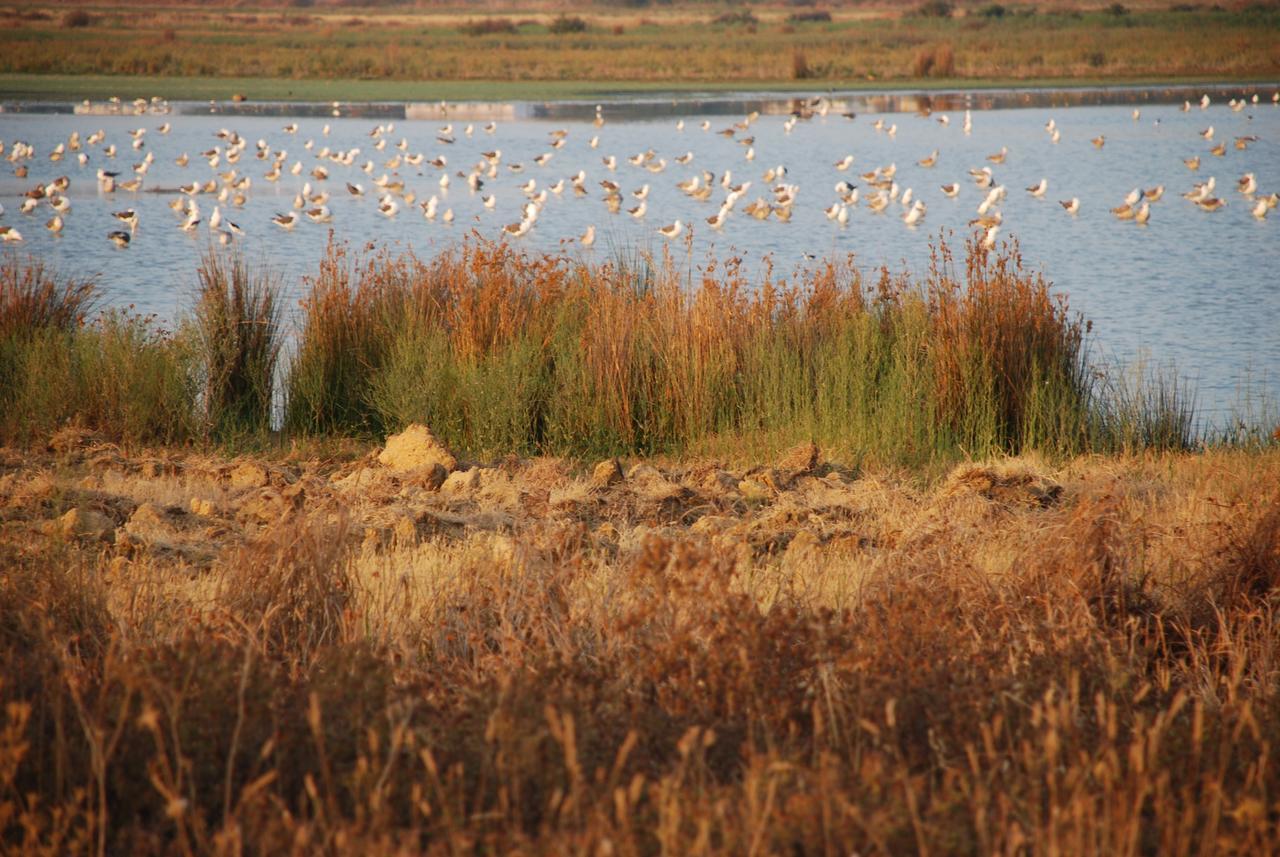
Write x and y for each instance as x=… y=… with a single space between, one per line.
x=1194 y=288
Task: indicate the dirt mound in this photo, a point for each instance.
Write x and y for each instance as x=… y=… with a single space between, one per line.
x=414 y=448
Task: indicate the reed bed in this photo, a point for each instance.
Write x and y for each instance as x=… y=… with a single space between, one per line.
x=503 y=352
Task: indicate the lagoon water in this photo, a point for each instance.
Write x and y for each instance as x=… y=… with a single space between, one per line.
x=1196 y=289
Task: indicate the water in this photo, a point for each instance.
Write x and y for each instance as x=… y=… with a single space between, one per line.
x=1192 y=288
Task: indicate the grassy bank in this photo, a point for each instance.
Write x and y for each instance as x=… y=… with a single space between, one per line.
x=212 y=656
x=98 y=87
x=407 y=54
x=505 y=352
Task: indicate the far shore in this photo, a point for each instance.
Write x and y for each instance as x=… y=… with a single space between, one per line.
x=67 y=88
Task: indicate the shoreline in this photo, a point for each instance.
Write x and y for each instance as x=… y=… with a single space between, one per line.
x=68 y=88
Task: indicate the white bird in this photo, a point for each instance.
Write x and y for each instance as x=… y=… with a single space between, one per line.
x=915 y=214
x=8 y=233
x=989 y=240
x=639 y=211
x=1133 y=196
x=1071 y=206
x=844 y=163
x=671 y=231
x=589 y=237
x=1038 y=190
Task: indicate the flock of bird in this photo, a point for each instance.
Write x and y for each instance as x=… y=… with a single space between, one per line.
x=235 y=167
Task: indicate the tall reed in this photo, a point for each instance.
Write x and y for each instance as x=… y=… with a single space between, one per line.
x=235 y=332
x=501 y=351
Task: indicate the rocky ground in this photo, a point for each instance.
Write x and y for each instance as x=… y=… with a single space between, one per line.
x=807 y=521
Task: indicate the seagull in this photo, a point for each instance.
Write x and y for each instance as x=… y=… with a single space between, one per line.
x=844 y=163
x=671 y=231
x=121 y=239
x=1143 y=215
x=929 y=161
x=1247 y=184
x=1154 y=194
x=1099 y=141
x=286 y=221
x=589 y=237
x=998 y=157
x=915 y=215
x=1072 y=206
x=55 y=224
x=1133 y=196
x=1192 y=163
x=8 y=233
x=951 y=190
x=1038 y=190
x=1260 y=209
x=639 y=210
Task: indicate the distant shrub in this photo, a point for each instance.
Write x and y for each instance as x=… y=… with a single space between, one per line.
x=76 y=18
x=935 y=61
x=567 y=24
x=1096 y=59
x=488 y=26
x=818 y=16
x=1186 y=7
x=935 y=9
x=995 y=10
x=618 y=29
x=742 y=17
x=800 y=69
x=1119 y=10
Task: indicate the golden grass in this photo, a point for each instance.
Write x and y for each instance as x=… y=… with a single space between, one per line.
x=653 y=45
x=1018 y=657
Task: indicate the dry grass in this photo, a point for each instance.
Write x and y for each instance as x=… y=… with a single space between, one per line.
x=1016 y=658
x=654 y=45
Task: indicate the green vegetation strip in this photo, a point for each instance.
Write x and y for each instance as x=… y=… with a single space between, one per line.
x=57 y=87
